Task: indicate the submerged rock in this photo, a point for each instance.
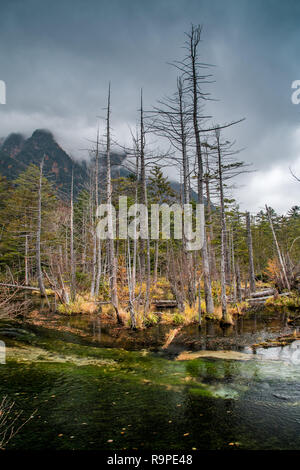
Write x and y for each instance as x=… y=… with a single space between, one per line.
x=18 y=333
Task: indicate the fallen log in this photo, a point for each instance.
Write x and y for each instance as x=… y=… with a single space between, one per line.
x=16 y=286
x=279 y=341
x=260 y=300
x=263 y=299
x=263 y=293
x=293 y=320
x=165 y=303
x=170 y=336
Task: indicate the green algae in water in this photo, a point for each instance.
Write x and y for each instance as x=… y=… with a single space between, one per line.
x=215 y=392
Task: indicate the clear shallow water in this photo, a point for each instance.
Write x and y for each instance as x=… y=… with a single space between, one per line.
x=257 y=328
x=87 y=395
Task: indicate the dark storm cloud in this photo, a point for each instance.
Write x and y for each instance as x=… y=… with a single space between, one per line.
x=57 y=58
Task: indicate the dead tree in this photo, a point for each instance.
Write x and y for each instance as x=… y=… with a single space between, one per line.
x=98 y=241
x=72 y=259
x=194 y=77
x=172 y=120
x=223 y=230
x=238 y=280
x=145 y=201
x=210 y=234
x=133 y=275
x=112 y=262
x=26 y=260
x=280 y=257
x=94 y=238
x=233 y=267
x=38 y=234
x=131 y=287
x=250 y=251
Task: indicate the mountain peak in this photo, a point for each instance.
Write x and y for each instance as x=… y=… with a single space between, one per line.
x=16 y=154
x=42 y=133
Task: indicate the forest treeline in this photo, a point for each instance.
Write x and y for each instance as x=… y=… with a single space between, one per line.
x=51 y=243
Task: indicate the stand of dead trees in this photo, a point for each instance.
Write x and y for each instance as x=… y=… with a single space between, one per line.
x=51 y=243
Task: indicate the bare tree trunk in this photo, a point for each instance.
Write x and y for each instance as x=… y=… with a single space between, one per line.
x=194 y=41
x=210 y=236
x=64 y=292
x=247 y=291
x=38 y=234
x=98 y=241
x=284 y=274
x=72 y=259
x=238 y=281
x=94 y=239
x=131 y=289
x=223 y=278
x=223 y=231
x=84 y=243
x=227 y=254
x=64 y=296
x=135 y=240
x=112 y=262
x=156 y=262
x=173 y=276
x=183 y=137
x=250 y=251
x=26 y=260
x=66 y=266
x=186 y=189
x=145 y=201
x=204 y=252
x=99 y=268
x=233 y=269
x=199 y=305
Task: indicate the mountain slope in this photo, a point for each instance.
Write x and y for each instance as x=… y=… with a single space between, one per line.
x=16 y=153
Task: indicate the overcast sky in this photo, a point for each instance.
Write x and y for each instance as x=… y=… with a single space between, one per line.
x=57 y=57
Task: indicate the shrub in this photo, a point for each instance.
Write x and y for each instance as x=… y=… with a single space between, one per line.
x=151 y=319
x=178 y=319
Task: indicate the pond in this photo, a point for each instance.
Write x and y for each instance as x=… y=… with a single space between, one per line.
x=98 y=388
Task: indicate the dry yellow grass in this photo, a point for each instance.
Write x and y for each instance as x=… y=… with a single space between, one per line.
x=80 y=305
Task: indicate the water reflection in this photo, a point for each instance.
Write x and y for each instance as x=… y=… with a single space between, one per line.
x=245 y=331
